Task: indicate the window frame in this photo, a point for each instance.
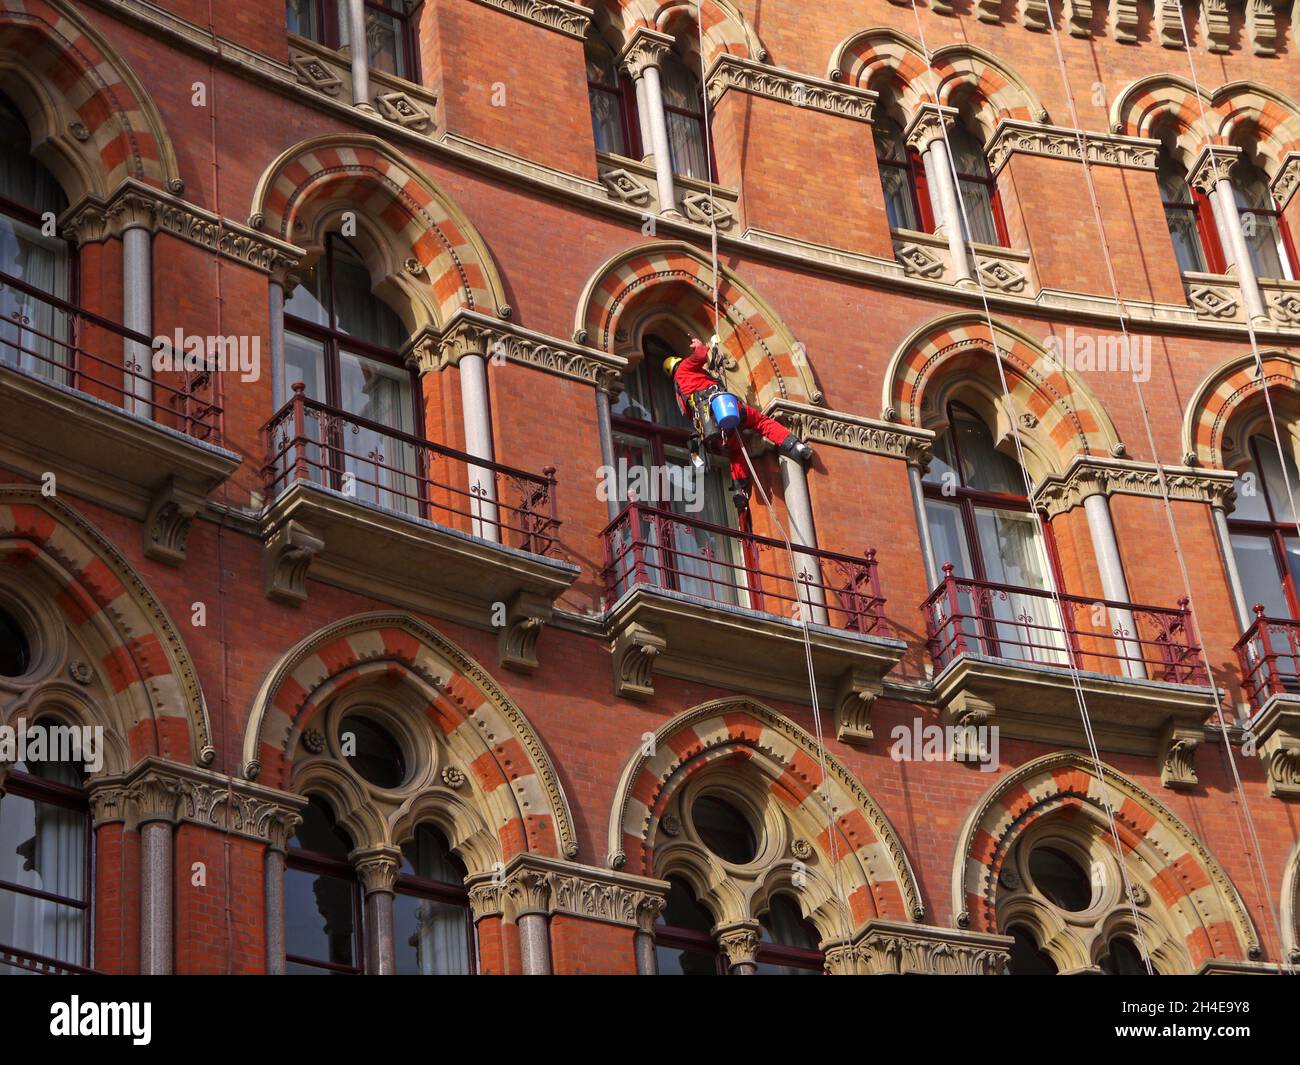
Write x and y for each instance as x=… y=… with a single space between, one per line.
x=697 y=117
x=990 y=182
x=302 y=860
x=913 y=171
x=36 y=789
x=625 y=93
x=331 y=34
x=1276 y=531
x=419 y=887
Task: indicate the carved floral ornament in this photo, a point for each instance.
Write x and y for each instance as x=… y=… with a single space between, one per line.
x=731 y=72
x=1060 y=493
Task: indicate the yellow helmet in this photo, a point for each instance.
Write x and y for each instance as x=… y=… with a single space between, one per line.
x=670 y=364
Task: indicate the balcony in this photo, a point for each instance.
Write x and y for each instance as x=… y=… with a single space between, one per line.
x=1009 y=655
x=1269 y=653
x=703 y=602
x=78 y=402
x=385 y=513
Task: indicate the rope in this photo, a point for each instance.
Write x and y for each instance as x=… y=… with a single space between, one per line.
x=805 y=608
x=1258 y=872
x=1076 y=681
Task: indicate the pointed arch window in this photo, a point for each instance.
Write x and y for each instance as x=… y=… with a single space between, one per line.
x=433 y=930
x=1262 y=528
x=613 y=104
x=1267 y=238
x=684 y=115
x=983 y=221
x=1189 y=217
x=322 y=897
x=902 y=178
x=34 y=333
x=788 y=943
x=45 y=863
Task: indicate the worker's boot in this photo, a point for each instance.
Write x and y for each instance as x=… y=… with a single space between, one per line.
x=794 y=448
x=740 y=489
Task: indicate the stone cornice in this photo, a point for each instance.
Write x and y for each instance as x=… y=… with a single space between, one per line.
x=468 y=332
x=1214 y=162
x=159 y=790
x=572 y=20
x=135 y=204
x=891 y=947
x=1090 y=475
x=840 y=429
x=535 y=884
x=928 y=124
x=787 y=86
x=1011 y=136
x=647 y=48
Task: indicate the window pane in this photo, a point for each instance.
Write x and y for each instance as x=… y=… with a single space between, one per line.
x=983 y=466
x=383 y=468
x=724 y=829
x=39 y=926
x=899 y=206
x=1281 y=482
x=948 y=535
x=978 y=221
x=319 y=918
x=310 y=298
x=42 y=847
x=300 y=17
x=784 y=924
x=679 y=86
x=686 y=146
x=1264 y=240
x=318 y=833
x=675 y=961
x=1026 y=627
x=386 y=38
x=1260 y=578
x=358 y=311
x=1026 y=958
x=431 y=937
x=1186 y=238
x=607 y=120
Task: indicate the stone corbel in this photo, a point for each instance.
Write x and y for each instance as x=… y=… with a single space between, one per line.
x=286 y=557
x=965 y=712
x=1078 y=17
x=893 y=947
x=1124 y=16
x=1261 y=25
x=526 y=614
x=107 y=802
x=1169 y=19
x=635 y=650
x=855 y=695
x=1034 y=14
x=1287 y=180
x=486 y=897
x=167 y=525
x=988 y=10
x=1276 y=730
x=1214 y=20
x=1178 y=745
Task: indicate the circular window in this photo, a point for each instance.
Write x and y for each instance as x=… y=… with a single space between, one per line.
x=1060 y=879
x=724 y=830
x=372 y=752
x=15 y=651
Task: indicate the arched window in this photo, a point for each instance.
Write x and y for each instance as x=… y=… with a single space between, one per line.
x=390 y=30
x=433 y=930
x=1189 y=217
x=342 y=342
x=907 y=203
x=1026 y=957
x=1122 y=958
x=684 y=944
x=983 y=220
x=1266 y=234
x=684 y=114
x=652 y=434
x=981 y=521
x=322 y=897
x=1263 y=529
x=613 y=105
x=788 y=943
x=44 y=868
x=33 y=331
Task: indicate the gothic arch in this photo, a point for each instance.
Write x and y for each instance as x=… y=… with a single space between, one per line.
x=676 y=277
x=91 y=121
x=1058 y=417
x=771 y=758
x=726 y=30
x=959 y=70
x=515 y=789
x=1149 y=103
x=1202 y=912
x=1229 y=390
x=106 y=652
x=416 y=239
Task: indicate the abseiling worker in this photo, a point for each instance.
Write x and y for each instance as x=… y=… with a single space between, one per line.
x=720 y=416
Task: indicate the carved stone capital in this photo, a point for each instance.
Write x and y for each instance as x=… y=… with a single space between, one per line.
x=646 y=48
x=1215 y=163
x=855 y=694
x=241 y=807
x=636 y=649
x=526 y=614
x=893 y=947
x=739 y=942
x=486 y=897
x=758 y=79
x=572 y=20
x=1178 y=759
x=167 y=526
x=648 y=909
x=377 y=868
x=928 y=124
x=1013 y=135
x=536 y=884
x=286 y=557
x=152 y=795
x=107 y=801
x=529 y=891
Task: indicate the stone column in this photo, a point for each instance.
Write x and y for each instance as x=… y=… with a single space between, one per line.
x=1243 y=609
x=137 y=311
x=377 y=870
x=647 y=916
x=360 y=54
x=464 y=344
x=641 y=60
x=1113 y=584
x=280 y=830
x=798 y=505
x=152 y=799
x=643 y=122
x=279 y=387
x=915 y=482
x=606 y=434
x=529 y=892
x=926 y=134
x=739 y=944
x=1211 y=174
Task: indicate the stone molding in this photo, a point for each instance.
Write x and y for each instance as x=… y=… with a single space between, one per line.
x=787 y=86
x=1012 y=136
x=159 y=790
x=135 y=204
x=472 y=333
x=572 y=20
x=852 y=431
x=535 y=884
x=1090 y=475
x=890 y=947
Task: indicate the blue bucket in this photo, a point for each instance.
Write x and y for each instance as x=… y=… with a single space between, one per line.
x=726 y=411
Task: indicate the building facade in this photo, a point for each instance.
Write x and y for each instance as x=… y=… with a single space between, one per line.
x=348 y=516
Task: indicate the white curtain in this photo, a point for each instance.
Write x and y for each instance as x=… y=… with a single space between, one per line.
x=436 y=932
